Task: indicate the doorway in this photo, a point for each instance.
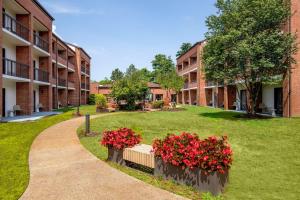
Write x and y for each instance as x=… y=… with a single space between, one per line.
x=243 y=98
x=3 y=102
x=34 y=101
x=278 y=100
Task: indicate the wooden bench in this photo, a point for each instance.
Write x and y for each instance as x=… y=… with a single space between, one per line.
x=140 y=154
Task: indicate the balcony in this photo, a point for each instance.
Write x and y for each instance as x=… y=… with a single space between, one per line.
x=41 y=44
x=41 y=75
x=62 y=61
x=15 y=69
x=83 y=86
x=71 y=66
x=16 y=28
x=190 y=85
x=83 y=69
x=71 y=85
x=62 y=82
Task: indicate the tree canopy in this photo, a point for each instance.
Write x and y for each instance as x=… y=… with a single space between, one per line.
x=116 y=75
x=246 y=43
x=165 y=73
x=183 y=49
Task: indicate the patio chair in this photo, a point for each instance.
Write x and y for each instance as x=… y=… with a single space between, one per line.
x=40 y=107
x=17 y=109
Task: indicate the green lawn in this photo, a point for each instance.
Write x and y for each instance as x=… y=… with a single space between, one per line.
x=266 y=151
x=15 y=142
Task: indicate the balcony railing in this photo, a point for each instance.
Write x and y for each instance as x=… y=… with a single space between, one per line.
x=71 y=84
x=15 y=27
x=13 y=68
x=62 y=82
x=40 y=42
x=83 y=85
x=83 y=69
x=40 y=75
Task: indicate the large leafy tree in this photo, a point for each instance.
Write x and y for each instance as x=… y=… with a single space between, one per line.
x=116 y=75
x=130 y=70
x=131 y=88
x=165 y=74
x=183 y=49
x=246 y=42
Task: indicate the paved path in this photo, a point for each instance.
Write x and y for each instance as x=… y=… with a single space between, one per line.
x=60 y=168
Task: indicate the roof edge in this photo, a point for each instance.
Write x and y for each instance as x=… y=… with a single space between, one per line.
x=197 y=43
x=36 y=2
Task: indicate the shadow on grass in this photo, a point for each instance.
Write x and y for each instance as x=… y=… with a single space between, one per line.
x=227 y=115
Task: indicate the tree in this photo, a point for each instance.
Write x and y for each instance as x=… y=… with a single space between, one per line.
x=183 y=49
x=246 y=43
x=130 y=70
x=131 y=88
x=116 y=74
x=165 y=74
x=105 y=81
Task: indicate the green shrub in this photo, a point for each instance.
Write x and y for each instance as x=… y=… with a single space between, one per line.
x=92 y=99
x=209 y=196
x=157 y=104
x=100 y=101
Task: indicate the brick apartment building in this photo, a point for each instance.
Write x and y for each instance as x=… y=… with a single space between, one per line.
x=39 y=72
x=156 y=93
x=283 y=99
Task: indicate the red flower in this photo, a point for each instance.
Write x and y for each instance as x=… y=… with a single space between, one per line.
x=187 y=150
x=120 y=139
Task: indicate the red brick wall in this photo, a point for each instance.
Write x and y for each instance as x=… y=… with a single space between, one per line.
x=220 y=96
x=295 y=73
x=25 y=97
x=45 y=97
x=62 y=97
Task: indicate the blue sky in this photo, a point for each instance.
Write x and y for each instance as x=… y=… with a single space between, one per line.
x=117 y=33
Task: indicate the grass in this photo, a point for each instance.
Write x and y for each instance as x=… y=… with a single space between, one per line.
x=15 y=142
x=266 y=151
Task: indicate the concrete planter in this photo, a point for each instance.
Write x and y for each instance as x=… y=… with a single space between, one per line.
x=116 y=155
x=213 y=182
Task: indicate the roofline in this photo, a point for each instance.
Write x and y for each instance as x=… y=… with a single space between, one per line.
x=197 y=43
x=78 y=47
x=64 y=42
x=43 y=9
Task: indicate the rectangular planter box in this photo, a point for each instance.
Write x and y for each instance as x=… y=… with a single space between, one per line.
x=213 y=182
x=116 y=155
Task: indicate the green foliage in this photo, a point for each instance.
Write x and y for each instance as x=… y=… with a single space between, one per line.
x=165 y=73
x=100 y=101
x=183 y=49
x=105 y=81
x=209 y=196
x=130 y=70
x=131 y=88
x=116 y=75
x=92 y=98
x=157 y=104
x=245 y=41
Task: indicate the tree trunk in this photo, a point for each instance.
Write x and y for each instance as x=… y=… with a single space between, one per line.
x=253 y=91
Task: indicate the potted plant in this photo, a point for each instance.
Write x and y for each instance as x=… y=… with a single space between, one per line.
x=185 y=159
x=117 y=140
x=101 y=103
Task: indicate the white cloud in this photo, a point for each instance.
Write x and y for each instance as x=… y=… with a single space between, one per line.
x=69 y=9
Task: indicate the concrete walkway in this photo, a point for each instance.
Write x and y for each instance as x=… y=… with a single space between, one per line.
x=60 y=168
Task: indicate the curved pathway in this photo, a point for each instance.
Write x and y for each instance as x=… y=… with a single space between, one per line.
x=60 y=168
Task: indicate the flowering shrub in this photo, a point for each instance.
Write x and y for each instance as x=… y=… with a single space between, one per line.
x=120 y=139
x=187 y=150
